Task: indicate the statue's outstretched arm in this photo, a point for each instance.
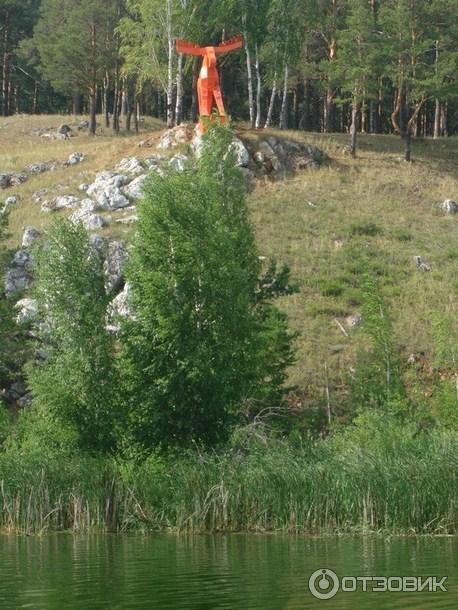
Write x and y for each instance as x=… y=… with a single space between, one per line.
x=230 y=45
x=183 y=46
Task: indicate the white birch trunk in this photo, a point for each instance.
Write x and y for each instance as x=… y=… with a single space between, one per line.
x=284 y=104
x=250 y=78
x=170 y=50
x=258 y=88
x=179 y=101
x=271 y=103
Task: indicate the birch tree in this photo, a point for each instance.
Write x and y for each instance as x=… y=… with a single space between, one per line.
x=148 y=45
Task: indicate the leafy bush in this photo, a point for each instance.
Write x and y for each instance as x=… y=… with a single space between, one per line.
x=206 y=337
x=377 y=382
x=77 y=383
x=14 y=346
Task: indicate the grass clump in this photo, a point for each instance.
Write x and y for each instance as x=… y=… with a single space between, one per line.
x=366 y=228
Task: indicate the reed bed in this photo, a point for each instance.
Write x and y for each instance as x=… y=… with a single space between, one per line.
x=332 y=486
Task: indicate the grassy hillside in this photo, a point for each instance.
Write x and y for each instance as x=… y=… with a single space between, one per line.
x=375 y=212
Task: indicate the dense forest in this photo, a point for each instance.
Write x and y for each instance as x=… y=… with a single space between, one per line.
x=375 y=66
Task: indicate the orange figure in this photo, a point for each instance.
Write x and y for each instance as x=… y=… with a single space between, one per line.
x=208 y=84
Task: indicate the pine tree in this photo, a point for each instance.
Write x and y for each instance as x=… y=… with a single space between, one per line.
x=357 y=65
x=17 y=18
x=75 y=43
x=408 y=47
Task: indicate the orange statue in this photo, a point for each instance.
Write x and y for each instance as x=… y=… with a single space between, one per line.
x=208 y=83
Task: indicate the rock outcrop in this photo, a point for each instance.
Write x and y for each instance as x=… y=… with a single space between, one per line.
x=11 y=179
x=119 y=307
x=106 y=190
x=18 y=275
x=30 y=236
x=114 y=265
x=449 y=207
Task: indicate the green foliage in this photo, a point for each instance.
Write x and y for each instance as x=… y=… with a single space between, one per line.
x=73 y=40
x=14 y=344
x=5 y=425
x=338 y=485
x=445 y=398
x=77 y=382
x=357 y=65
x=206 y=337
x=368 y=228
x=377 y=382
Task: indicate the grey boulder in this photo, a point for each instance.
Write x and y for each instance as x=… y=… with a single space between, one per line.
x=106 y=190
x=114 y=265
x=19 y=273
x=120 y=307
x=30 y=236
x=27 y=311
x=449 y=206
x=134 y=190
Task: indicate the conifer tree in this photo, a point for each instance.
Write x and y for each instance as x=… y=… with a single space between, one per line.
x=75 y=42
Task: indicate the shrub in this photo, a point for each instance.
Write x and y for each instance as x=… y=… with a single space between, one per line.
x=206 y=337
x=77 y=383
x=377 y=382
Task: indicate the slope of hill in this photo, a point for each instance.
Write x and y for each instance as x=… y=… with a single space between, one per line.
x=375 y=213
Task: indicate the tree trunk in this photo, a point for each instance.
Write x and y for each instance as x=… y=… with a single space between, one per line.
x=129 y=104
x=354 y=127
x=305 y=119
x=5 y=68
x=284 y=104
x=437 y=120
x=372 y=116
x=444 y=120
x=115 y=105
x=195 y=77
x=379 y=112
x=249 y=81
x=408 y=146
x=271 y=103
x=106 y=110
x=295 y=105
x=124 y=98
x=16 y=99
x=35 y=98
x=93 y=110
x=93 y=87
x=329 y=111
x=258 y=88
x=364 y=115
x=137 y=115
x=170 y=51
x=179 y=101
x=77 y=99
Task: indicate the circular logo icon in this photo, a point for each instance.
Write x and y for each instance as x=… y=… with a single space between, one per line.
x=324 y=583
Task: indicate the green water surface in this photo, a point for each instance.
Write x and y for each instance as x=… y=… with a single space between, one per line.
x=123 y=572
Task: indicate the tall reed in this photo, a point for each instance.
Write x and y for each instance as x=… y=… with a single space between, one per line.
x=347 y=484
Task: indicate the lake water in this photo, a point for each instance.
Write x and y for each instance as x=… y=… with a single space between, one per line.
x=249 y=572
